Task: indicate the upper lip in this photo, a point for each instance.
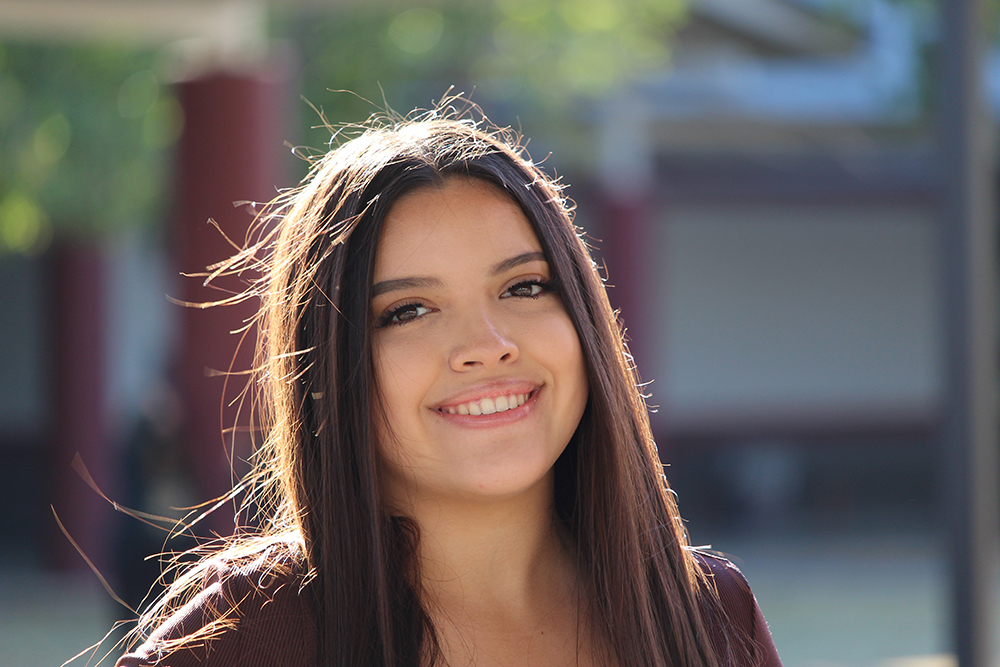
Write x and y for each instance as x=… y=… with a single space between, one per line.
x=490 y=389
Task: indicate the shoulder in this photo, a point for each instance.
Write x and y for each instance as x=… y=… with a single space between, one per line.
x=730 y=585
x=247 y=612
x=741 y=628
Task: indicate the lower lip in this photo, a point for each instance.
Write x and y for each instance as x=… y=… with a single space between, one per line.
x=497 y=418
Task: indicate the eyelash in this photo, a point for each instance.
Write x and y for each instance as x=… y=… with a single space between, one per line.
x=547 y=286
x=388 y=319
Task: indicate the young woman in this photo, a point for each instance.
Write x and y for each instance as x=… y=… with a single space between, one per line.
x=459 y=468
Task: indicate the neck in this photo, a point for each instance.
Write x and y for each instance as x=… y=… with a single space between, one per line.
x=499 y=580
x=498 y=556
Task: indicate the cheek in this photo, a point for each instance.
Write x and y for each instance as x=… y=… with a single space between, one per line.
x=569 y=343
x=396 y=361
x=389 y=422
x=563 y=344
x=403 y=374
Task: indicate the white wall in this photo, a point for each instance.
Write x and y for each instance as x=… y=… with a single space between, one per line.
x=795 y=313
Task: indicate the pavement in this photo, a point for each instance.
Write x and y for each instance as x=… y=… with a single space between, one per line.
x=879 y=601
x=47 y=618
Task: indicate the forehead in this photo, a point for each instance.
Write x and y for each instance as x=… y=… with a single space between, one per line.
x=462 y=222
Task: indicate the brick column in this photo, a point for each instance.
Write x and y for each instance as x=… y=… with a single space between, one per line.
x=79 y=380
x=230 y=150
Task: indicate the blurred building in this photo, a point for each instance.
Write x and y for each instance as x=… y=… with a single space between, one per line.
x=771 y=206
x=766 y=208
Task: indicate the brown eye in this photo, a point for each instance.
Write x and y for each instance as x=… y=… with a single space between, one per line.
x=403 y=314
x=528 y=288
x=407 y=313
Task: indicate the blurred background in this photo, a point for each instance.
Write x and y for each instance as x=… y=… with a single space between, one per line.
x=759 y=178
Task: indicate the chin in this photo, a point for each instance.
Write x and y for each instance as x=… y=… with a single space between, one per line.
x=508 y=485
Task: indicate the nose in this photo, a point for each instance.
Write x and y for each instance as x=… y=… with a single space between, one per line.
x=481 y=344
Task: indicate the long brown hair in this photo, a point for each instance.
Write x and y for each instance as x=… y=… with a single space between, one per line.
x=317 y=475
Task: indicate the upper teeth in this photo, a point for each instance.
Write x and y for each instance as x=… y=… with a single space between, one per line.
x=488 y=406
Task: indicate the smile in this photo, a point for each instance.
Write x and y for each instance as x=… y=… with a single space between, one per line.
x=487 y=406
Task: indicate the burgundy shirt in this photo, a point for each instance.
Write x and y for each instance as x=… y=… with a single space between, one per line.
x=277 y=622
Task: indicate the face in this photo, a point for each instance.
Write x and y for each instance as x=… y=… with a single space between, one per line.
x=480 y=368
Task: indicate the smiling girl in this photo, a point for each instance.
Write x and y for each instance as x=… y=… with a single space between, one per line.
x=459 y=468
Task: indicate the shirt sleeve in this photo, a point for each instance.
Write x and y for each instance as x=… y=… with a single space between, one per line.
x=260 y=620
x=742 y=610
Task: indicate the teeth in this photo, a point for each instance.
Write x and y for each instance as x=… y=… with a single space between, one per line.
x=488 y=406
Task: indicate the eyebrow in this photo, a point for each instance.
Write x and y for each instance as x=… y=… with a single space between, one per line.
x=385 y=286
x=516 y=260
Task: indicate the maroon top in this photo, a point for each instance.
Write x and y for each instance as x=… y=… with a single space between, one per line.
x=277 y=622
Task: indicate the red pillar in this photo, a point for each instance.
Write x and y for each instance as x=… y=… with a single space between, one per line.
x=230 y=150
x=628 y=252
x=79 y=392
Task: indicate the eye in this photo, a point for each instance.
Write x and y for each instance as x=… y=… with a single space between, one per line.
x=403 y=314
x=528 y=288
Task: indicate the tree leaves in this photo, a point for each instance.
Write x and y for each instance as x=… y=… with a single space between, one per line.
x=84 y=139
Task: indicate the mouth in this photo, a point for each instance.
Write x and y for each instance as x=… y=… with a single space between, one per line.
x=488 y=405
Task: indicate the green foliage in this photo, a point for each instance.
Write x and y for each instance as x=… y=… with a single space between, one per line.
x=84 y=134
x=543 y=57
